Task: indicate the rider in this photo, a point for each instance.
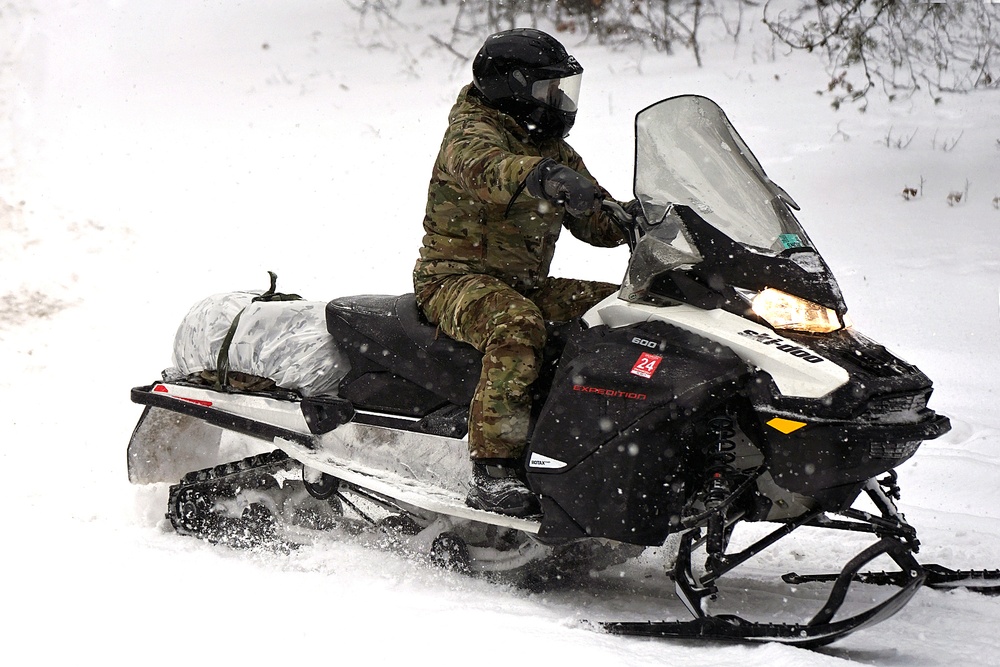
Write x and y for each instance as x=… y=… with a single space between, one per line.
x=483 y=271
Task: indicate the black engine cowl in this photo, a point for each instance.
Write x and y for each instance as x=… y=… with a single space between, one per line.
x=610 y=455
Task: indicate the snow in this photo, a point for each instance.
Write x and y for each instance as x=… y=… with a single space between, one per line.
x=153 y=152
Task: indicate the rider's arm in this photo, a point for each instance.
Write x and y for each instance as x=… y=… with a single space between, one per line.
x=476 y=154
x=596 y=229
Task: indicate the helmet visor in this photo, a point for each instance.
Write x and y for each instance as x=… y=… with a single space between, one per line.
x=561 y=94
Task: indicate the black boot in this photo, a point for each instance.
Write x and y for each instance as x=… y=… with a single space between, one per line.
x=497 y=488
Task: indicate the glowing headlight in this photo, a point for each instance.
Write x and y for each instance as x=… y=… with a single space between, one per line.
x=785 y=311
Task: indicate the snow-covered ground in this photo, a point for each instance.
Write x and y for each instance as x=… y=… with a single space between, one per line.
x=154 y=152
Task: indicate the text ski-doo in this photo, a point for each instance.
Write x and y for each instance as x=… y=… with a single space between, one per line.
x=722 y=386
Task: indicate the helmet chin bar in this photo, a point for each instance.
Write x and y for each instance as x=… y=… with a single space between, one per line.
x=547 y=123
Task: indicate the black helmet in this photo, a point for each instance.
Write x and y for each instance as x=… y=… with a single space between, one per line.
x=528 y=75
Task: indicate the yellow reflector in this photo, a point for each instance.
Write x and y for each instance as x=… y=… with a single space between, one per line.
x=786 y=426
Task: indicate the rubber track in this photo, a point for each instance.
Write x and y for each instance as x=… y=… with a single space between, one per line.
x=218 y=482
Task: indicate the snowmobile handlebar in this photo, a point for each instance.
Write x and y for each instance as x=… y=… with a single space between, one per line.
x=622 y=219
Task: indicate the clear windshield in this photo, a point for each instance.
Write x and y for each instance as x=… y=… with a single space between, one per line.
x=688 y=153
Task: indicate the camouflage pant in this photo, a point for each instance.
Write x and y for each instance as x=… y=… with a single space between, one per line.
x=509 y=329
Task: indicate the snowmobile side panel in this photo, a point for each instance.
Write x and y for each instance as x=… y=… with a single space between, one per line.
x=377 y=390
x=634 y=390
x=425 y=471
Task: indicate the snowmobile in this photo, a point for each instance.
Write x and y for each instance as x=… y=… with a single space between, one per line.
x=723 y=385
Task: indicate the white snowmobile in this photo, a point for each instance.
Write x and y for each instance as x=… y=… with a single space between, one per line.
x=723 y=384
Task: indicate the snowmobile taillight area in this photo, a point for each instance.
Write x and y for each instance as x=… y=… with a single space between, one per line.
x=241 y=411
x=319 y=414
x=163 y=389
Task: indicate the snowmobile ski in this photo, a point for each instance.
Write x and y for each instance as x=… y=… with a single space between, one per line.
x=732 y=628
x=986 y=582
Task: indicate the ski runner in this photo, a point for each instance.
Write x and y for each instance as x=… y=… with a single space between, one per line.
x=483 y=271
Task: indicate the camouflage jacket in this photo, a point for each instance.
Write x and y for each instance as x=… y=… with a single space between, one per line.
x=484 y=158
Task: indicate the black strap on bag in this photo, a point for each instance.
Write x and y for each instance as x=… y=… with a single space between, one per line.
x=222 y=365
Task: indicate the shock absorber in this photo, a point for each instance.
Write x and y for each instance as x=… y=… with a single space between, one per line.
x=719 y=483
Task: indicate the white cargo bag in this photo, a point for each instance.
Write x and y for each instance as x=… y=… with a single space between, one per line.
x=284 y=341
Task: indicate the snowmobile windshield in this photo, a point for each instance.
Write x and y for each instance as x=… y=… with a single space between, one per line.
x=562 y=94
x=687 y=152
x=710 y=211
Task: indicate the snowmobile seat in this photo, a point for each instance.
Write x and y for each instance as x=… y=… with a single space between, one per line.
x=391 y=333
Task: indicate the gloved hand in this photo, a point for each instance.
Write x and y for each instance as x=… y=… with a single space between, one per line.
x=633 y=208
x=559 y=184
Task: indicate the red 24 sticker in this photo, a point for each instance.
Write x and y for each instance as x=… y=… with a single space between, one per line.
x=646 y=365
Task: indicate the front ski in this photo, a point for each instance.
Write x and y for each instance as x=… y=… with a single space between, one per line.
x=986 y=582
x=820 y=630
x=736 y=629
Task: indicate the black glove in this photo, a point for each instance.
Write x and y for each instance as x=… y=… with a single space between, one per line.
x=634 y=208
x=559 y=184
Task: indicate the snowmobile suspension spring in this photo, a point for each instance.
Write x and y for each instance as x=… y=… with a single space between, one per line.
x=719 y=486
x=720 y=459
x=724 y=430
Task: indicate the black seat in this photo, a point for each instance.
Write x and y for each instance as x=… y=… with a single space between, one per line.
x=390 y=332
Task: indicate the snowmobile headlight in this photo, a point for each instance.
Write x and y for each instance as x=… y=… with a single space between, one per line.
x=786 y=311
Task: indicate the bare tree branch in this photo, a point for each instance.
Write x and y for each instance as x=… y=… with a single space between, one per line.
x=901 y=46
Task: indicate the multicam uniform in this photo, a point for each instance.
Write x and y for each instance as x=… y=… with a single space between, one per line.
x=482 y=276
